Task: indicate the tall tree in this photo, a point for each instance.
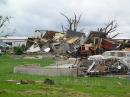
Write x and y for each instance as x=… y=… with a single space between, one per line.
x=72 y=23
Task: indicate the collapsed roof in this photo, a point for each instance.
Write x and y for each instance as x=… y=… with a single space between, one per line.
x=74 y=34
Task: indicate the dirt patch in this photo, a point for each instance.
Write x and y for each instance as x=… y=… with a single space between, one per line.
x=3 y=91
x=53 y=91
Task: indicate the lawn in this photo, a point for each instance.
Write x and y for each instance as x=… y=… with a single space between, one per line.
x=63 y=87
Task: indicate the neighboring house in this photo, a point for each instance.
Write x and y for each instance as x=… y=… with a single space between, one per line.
x=4 y=45
x=122 y=38
x=125 y=42
x=14 y=41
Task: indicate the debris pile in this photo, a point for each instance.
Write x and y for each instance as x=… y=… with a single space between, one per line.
x=76 y=44
x=117 y=63
x=55 y=42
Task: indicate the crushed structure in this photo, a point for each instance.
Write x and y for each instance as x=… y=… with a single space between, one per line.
x=87 y=50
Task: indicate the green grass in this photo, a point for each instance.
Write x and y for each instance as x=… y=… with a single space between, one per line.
x=7 y=64
x=64 y=86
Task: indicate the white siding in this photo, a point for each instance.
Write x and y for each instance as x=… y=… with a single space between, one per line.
x=15 y=41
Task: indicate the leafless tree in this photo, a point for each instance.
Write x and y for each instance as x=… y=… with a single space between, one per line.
x=3 y=22
x=62 y=28
x=72 y=23
x=109 y=27
x=76 y=21
x=115 y=35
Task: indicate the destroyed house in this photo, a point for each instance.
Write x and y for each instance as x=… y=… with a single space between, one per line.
x=100 y=42
x=94 y=35
x=108 y=44
x=48 y=34
x=45 y=39
x=73 y=43
x=73 y=34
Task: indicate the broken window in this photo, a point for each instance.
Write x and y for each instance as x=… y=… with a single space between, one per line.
x=121 y=54
x=9 y=43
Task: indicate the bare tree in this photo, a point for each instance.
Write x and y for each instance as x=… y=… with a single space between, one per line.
x=109 y=27
x=76 y=21
x=3 y=22
x=62 y=28
x=72 y=23
x=115 y=35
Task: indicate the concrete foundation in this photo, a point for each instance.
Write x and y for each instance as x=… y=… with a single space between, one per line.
x=47 y=71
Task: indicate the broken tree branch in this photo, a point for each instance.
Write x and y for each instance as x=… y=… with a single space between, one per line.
x=109 y=27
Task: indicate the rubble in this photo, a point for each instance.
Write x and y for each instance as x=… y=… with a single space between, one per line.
x=77 y=45
x=27 y=82
x=33 y=48
x=106 y=63
x=47 y=50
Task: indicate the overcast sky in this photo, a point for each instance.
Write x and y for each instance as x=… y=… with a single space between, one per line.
x=28 y=15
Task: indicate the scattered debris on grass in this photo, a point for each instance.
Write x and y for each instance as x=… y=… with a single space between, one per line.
x=49 y=81
x=3 y=91
x=27 y=81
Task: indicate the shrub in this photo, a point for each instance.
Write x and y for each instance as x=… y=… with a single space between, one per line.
x=19 y=50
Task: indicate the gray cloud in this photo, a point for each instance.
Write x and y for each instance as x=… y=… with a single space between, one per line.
x=29 y=15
